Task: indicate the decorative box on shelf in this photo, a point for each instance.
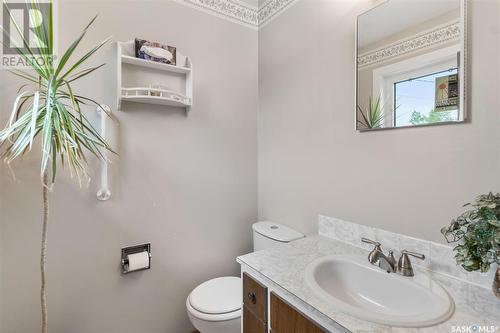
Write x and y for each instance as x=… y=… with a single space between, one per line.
x=140 y=88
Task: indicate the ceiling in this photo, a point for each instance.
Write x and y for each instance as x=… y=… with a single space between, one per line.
x=398 y=15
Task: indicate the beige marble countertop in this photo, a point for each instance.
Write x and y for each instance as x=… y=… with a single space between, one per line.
x=285 y=265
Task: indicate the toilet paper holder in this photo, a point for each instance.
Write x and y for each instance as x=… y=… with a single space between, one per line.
x=126 y=251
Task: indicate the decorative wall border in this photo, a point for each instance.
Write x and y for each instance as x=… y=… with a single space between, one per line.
x=271 y=8
x=445 y=33
x=241 y=12
x=236 y=11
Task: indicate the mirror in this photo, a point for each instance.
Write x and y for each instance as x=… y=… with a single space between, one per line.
x=411 y=58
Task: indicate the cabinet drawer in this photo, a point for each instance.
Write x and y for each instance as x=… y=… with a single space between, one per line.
x=252 y=324
x=255 y=297
x=285 y=319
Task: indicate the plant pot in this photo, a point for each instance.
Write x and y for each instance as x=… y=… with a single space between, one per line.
x=496 y=283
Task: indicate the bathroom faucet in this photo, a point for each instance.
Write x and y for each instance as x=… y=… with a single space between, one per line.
x=377 y=257
x=388 y=263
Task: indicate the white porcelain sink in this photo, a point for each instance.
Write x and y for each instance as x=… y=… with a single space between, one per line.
x=360 y=289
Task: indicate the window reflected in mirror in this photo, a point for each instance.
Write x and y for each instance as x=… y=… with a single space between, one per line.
x=409 y=72
x=428 y=99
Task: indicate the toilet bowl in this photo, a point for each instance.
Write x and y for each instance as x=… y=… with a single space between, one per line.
x=215 y=305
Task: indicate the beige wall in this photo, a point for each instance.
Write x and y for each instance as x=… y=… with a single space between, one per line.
x=311 y=161
x=185 y=184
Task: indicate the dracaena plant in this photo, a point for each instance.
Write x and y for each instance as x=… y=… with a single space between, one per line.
x=477 y=232
x=373 y=116
x=47 y=108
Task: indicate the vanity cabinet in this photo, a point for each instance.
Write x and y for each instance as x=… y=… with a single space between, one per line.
x=254 y=306
x=284 y=318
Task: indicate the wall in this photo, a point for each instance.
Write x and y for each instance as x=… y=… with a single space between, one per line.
x=186 y=184
x=311 y=161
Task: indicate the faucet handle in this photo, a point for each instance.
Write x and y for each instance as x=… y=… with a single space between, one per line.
x=374 y=255
x=404 y=264
x=414 y=254
x=369 y=241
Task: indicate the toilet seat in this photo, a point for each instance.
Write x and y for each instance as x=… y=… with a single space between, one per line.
x=218 y=299
x=212 y=317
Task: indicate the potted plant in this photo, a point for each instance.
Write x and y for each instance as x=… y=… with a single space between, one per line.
x=373 y=116
x=477 y=232
x=48 y=108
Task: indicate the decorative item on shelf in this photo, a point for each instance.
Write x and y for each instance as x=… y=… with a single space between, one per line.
x=478 y=233
x=155 y=51
x=156 y=89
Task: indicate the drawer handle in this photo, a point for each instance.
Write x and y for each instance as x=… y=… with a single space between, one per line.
x=252 y=298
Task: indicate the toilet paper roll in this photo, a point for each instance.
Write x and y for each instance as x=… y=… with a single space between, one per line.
x=138 y=261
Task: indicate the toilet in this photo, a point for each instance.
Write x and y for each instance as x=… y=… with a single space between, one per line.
x=215 y=305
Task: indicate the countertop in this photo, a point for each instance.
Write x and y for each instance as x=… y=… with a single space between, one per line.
x=285 y=265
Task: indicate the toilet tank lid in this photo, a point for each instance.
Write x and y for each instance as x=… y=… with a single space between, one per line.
x=276 y=231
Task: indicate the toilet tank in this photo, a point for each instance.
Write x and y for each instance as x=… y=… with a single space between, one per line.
x=268 y=234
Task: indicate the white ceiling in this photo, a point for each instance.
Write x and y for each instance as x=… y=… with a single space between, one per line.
x=394 y=16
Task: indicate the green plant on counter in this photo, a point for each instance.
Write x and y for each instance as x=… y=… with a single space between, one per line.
x=48 y=107
x=478 y=233
x=373 y=116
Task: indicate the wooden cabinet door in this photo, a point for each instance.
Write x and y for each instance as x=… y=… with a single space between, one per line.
x=254 y=306
x=255 y=297
x=252 y=324
x=285 y=319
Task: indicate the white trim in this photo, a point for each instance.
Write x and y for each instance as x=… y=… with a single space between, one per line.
x=241 y=12
x=234 y=11
x=448 y=32
x=271 y=9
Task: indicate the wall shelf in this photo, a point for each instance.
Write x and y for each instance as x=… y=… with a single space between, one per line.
x=155 y=96
x=145 y=71
x=158 y=100
x=154 y=65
